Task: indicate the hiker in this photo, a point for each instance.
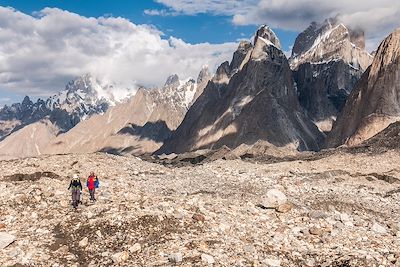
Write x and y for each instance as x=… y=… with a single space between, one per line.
x=75 y=186
x=92 y=183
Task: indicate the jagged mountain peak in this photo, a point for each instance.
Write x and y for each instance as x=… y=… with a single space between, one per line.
x=204 y=74
x=244 y=45
x=239 y=56
x=172 y=80
x=330 y=40
x=266 y=34
x=88 y=90
x=81 y=82
x=387 y=53
x=26 y=101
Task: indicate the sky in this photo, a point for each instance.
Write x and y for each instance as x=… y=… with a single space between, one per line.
x=46 y=43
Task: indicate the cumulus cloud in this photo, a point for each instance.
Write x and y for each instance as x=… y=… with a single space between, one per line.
x=376 y=18
x=40 y=53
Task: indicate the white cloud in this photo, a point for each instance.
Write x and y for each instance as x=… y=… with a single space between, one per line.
x=159 y=12
x=218 y=7
x=40 y=53
x=376 y=18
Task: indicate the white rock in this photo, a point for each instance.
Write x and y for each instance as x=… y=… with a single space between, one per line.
x=89 y=214
x=120 y=257
x=6 y=239
x=272 y=262
x=15 y=252
x=249 y=249
x=175 y=257
x=344 y=217
x=135 y=248
x=274 y=198
x=84 y=242
x=207 y=258
x=379 y=229
x=99 y=234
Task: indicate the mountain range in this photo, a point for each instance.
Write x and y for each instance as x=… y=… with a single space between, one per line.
x=80 y=99
x=247 y=101
x=330 y=92
x=136 y=124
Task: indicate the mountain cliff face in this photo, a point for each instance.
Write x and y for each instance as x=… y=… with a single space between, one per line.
x=247 y=101
x=375 y=102
x=327 y=59
x=323 y=89
x=80 y=99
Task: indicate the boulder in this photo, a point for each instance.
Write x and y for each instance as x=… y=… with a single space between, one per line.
x=175 y=257
x=135 y=248
x=120 y=257
x=84 y=242
x=207 y=258
x=6 y=239
x=274 y=198
x=379 y=229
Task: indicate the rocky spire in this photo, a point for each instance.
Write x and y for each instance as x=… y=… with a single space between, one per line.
x=204 y=75
x=266 y=33
x=240 y=55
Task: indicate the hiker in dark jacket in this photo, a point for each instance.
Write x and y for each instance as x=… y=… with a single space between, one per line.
x=92 y=183
x=75 y=186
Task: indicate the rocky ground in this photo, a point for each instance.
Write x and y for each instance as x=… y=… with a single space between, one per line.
x=338 y=210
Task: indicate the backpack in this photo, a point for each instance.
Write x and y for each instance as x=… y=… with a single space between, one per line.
x=75 y=183
x=96 y=182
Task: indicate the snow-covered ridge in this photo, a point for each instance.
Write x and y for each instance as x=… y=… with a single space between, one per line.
x=180 y=92
x=87 y=91
x=183 y=93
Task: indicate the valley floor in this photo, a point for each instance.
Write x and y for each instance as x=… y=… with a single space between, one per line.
x=341 y=210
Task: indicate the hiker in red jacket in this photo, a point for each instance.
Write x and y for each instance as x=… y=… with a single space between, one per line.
x=92 y=183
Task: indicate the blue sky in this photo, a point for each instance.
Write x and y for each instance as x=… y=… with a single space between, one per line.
x=46 y=43
x=191 y=28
